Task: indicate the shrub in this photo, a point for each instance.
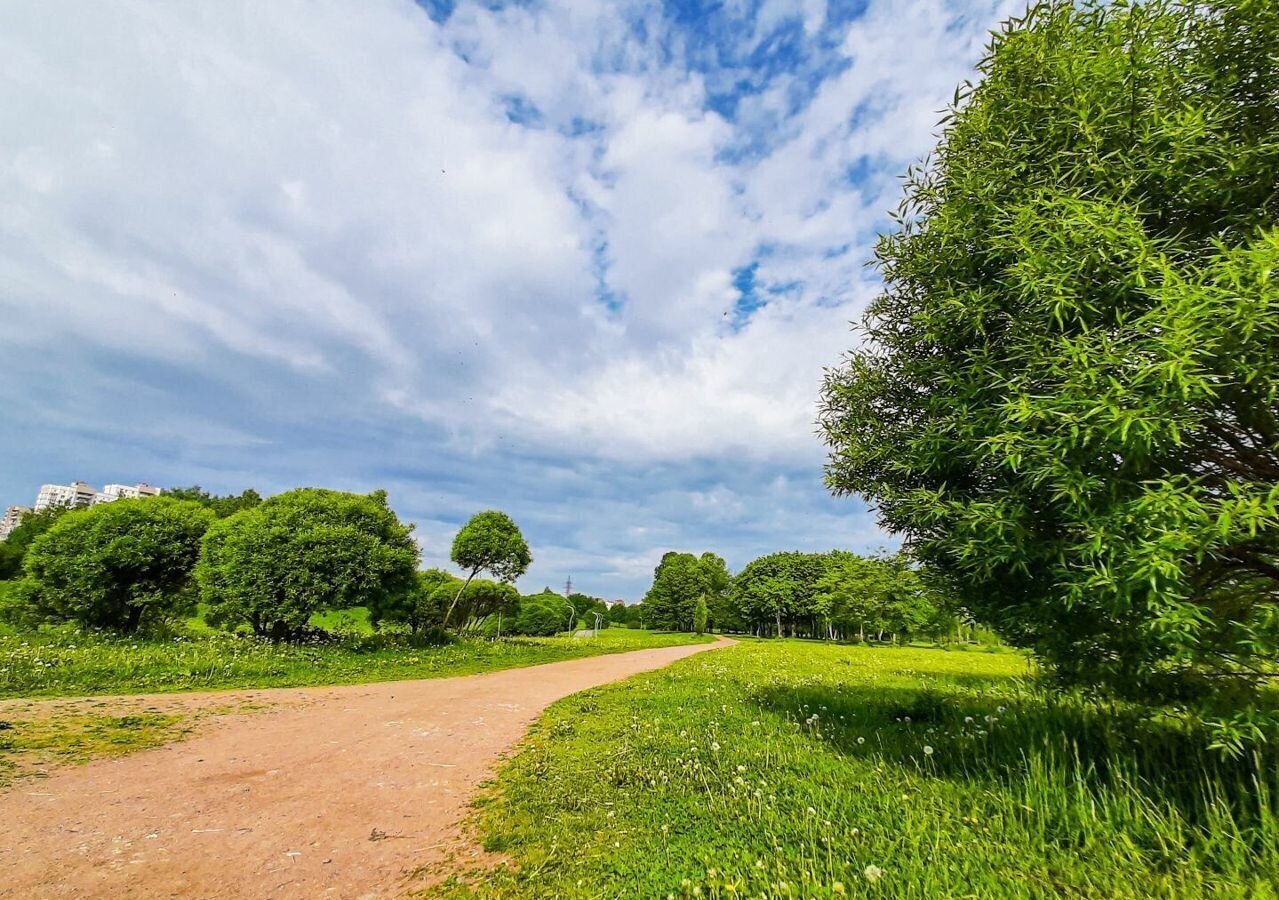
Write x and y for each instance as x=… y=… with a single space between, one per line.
x=543 y=615
x=272 y=566
x=118 y=565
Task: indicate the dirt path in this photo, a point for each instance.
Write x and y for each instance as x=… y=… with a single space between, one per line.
x=333 y=792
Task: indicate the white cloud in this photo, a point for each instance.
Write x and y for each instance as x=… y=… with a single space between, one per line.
x=292 y=224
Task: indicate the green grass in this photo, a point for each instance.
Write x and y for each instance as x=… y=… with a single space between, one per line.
x=28 y=746
x=788 y=769
x=66 y=662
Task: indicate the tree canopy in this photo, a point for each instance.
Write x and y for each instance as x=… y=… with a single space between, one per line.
x=490 y=542
x=1066 y=398
x=221 y=505
x=273 y=565
x=121 y=565
x=678 y=581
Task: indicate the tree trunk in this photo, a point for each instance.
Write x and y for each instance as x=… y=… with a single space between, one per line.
x=133 y=619
x=460 y=592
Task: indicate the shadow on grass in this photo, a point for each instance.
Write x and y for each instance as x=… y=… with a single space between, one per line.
x=1012 y=736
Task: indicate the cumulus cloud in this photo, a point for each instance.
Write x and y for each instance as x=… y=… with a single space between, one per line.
x=584 y=260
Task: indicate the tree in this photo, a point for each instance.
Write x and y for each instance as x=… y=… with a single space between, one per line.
x=121 y=565
x=720 y=612
x=678 y=580
x=781 y=590
x=1066 y=396
x=420 y=606
x=488 y=598
x=490 y=542
x=585 y=607
x=699 y=614
x=13 y=550
x=274 y=565
x=543 y=615
x=222 y=506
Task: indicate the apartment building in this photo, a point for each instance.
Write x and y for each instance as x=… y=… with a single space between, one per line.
x=126 y=492
x=12 y=519
x=78 y=494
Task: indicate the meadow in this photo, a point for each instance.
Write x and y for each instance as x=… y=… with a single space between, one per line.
x=797 y=769
x=70 y=661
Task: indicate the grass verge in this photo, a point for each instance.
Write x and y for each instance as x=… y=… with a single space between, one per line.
x=785 y=769
x=63 y=661
x=30 y=746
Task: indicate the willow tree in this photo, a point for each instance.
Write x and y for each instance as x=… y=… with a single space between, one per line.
x=1067 y=397
x=489 y=542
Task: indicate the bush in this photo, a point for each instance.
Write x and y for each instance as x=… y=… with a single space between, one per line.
x=274 y=565
x=542 y=615
x=118 y=565
x=419 y=607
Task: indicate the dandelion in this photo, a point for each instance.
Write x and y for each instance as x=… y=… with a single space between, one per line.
x=928 y=751
x=861 y=740
x=838 y=888
x=714 y=746
x=873 y=873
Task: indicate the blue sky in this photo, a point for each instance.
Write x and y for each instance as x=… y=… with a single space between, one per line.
x=583 y=261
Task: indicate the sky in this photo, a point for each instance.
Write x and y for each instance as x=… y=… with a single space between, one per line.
x=584 y=262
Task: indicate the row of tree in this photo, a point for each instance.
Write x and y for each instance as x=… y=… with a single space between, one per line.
x=263 y=565
x=835 y=595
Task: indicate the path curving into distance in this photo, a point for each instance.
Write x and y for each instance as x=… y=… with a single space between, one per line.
x=332 y=792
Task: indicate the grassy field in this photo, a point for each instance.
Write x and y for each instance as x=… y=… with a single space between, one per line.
x=789 y=769
x=66 y=662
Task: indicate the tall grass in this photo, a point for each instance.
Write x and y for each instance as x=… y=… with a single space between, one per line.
x=786 y=769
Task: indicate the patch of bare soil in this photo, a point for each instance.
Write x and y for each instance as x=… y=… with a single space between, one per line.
x=353 y=791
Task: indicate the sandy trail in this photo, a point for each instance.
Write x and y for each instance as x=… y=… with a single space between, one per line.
x=332 y=792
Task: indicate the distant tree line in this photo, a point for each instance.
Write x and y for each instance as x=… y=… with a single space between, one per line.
x=837 y=595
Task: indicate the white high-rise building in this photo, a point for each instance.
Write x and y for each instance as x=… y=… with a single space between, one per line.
x=77 y=494
x=127 y=492
x=12 y=519
x=73 y=495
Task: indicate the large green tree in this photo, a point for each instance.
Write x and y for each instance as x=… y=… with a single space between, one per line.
x=779 y=592
x=490 y=542
x=1066 y=397
x=678 y=580
x=274 y=565
x=121 y=565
